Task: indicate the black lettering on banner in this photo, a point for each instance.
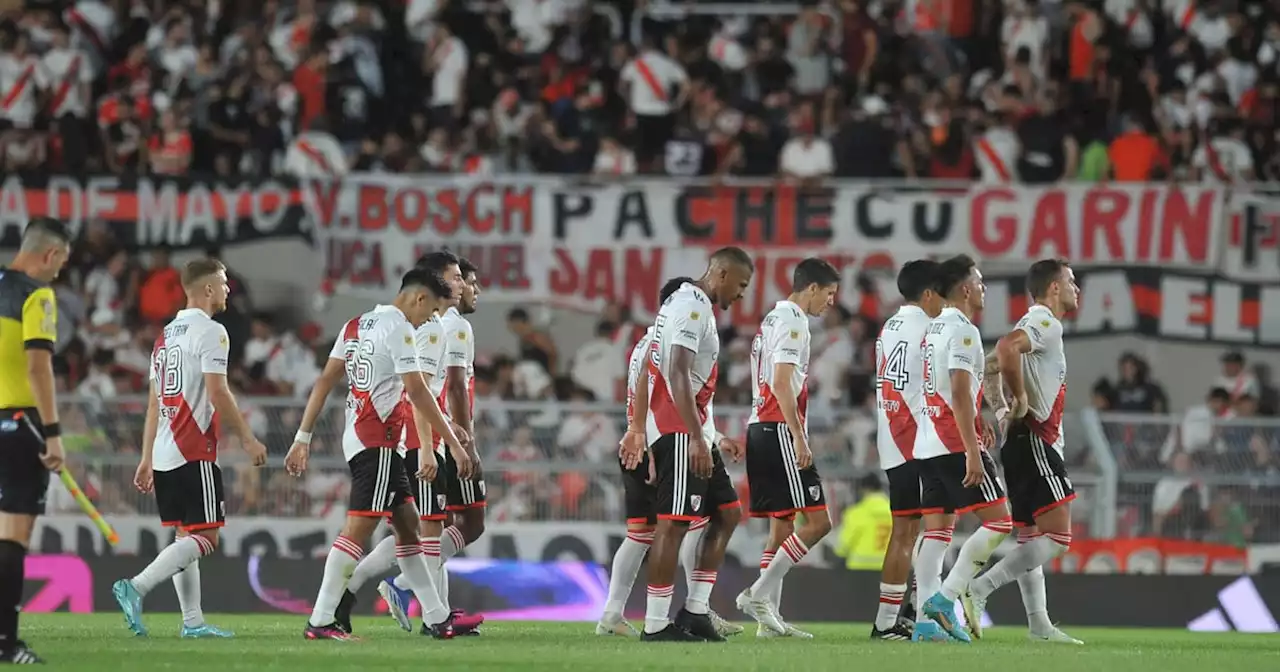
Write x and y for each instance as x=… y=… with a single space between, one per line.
x=633 y=209
x=566 y=206
x=896 y=207
x=1253 y=227
x=755 y=207
x=690 y=225
x=814 y=208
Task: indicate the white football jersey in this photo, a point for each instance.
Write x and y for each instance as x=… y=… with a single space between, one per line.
x=636 y=369
x=377 y=349
x=1044 y=374
x=20 y=81
x=67 y=71
x=783 y=339
x=899 y=384
x=428 y=341
x=686 y=321
x=951 y=343
x=459 y=351
x=189 y=347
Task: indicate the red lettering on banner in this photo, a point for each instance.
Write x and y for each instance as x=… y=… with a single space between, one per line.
x=598 y=280
x=1101 y=221
x=1150 y=556
x=355 y=261
x=482 y=209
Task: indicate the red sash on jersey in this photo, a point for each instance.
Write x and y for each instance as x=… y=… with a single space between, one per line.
x=1188 y=16
x=64 y=87
x=646 y=73
x=1215 y=162
x=989 y=152
x=18 y=87
x=316 y=156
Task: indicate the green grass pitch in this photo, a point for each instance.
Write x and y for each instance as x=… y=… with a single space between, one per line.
x=263 y=643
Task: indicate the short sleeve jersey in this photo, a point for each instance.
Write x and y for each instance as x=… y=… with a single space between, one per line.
x=1044 y=372
x=783 y=338
x=951 y=343
x=637 y=372
x=899 y=384
x=685 y=321
x=28 y=321
x=190 y=346
x=376 y=348
x=459 y=351
x=428 y=340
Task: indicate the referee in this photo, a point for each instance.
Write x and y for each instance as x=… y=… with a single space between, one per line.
x=30 y=437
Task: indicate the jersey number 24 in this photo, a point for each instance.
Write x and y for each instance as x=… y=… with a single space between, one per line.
x=893 y=366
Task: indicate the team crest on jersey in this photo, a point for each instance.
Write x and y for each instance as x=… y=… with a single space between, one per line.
x=814 y=491
x=433 y=338
x=441 y=500
x=795 y=334
x=695 y=502
x=462 y=335
x=222 y=341
x=968 y=341
x=695 y=315
x=1045 y=324
x=408 y=340
x=480 y=484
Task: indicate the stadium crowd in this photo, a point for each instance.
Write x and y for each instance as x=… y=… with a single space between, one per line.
x=1033 y=92
x=1018 y=90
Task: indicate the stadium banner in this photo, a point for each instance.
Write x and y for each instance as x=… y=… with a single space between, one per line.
x=154 y=211
x=1151 y=556
x=1252 y=249
x=1152 y=302
x=584 y=244
x=576 y=591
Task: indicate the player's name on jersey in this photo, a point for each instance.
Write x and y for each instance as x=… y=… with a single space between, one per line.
x=1151 y=302
x=145 y=212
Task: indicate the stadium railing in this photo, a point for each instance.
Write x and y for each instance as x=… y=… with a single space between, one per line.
x=542 y=461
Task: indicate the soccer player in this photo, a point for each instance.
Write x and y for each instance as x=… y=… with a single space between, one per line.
x=956 y=473
x=30 y=435
x=691 y=479
x=783 y=480
x=429 y=493
x=375 y=352
x=180 y=439
x=1033 y=362
x=640 y=495
x=899 y=399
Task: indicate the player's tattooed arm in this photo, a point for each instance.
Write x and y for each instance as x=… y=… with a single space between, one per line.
x=1009 y=352
x=993 y=385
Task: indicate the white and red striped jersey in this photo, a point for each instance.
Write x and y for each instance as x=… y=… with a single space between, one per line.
x=189 y=347
x=315 y=155
x=68 y=71
x=459 y=351
x=20 y=79
x=899 y=384
x=636 y=369
x=652 y=78
x=428 y=341
x=783 y=339
x=996 y=152
x=686 y=321
x=377 y=348
x=951 y=343
x=1044 y=373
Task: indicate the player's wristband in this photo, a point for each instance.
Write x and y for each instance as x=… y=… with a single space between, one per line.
x=302 y=437
x=52 y=430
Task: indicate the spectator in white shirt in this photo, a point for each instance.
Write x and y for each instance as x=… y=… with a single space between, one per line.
x=1236 y=379
x=69 y=71
x=99 y=383
x=1225 y=158
x=447 y=60
x=596 y=365
x=1197 y=430
x=806 y=157
x=315 y=153
x=655 y=88
x=587 y=435
x=1170 y=497
x=613 y=160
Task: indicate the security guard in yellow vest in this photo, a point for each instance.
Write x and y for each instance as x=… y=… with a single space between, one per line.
x=865 y=527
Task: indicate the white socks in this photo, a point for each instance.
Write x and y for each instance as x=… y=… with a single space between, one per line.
x=413 y=566
x=789 y=554
x=187 y=584
x=1030 y=554
x=626 y=566
x=691 y=549
x=375 y=565
x=173 y=559
x=658 y=608
x=974 y=555
x=451 y=542
x=891 y=595
x=344 y=555
x=933 y=550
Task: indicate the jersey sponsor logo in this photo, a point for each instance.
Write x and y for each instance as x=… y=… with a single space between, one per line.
x=47 y=321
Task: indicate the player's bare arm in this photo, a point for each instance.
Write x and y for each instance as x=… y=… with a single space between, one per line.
x=633 y=443
x=459 y=399
x=225 y=404
x=686 y=406
x=296 y=461
x=415 y=388
x=1009 y=352
x=965 y=409
x=144 y=477
x=40 y=373
x=783 y=385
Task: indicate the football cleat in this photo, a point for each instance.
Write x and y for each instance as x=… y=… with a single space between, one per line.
x=342 y=615
x=331 y=631
x=441 y=630
x=698 y=625
x=943 y=612
x=1053 y=635
x=398 y=601
x=928 y=631
x=897 y=633
x=204 y=631
x=615 y=624
x=974 y=607
x=20 y=654
x=725 y=628
x=130 y=602
x=671 y=633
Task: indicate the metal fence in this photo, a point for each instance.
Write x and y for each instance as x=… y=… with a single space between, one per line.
x=1136 y=475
